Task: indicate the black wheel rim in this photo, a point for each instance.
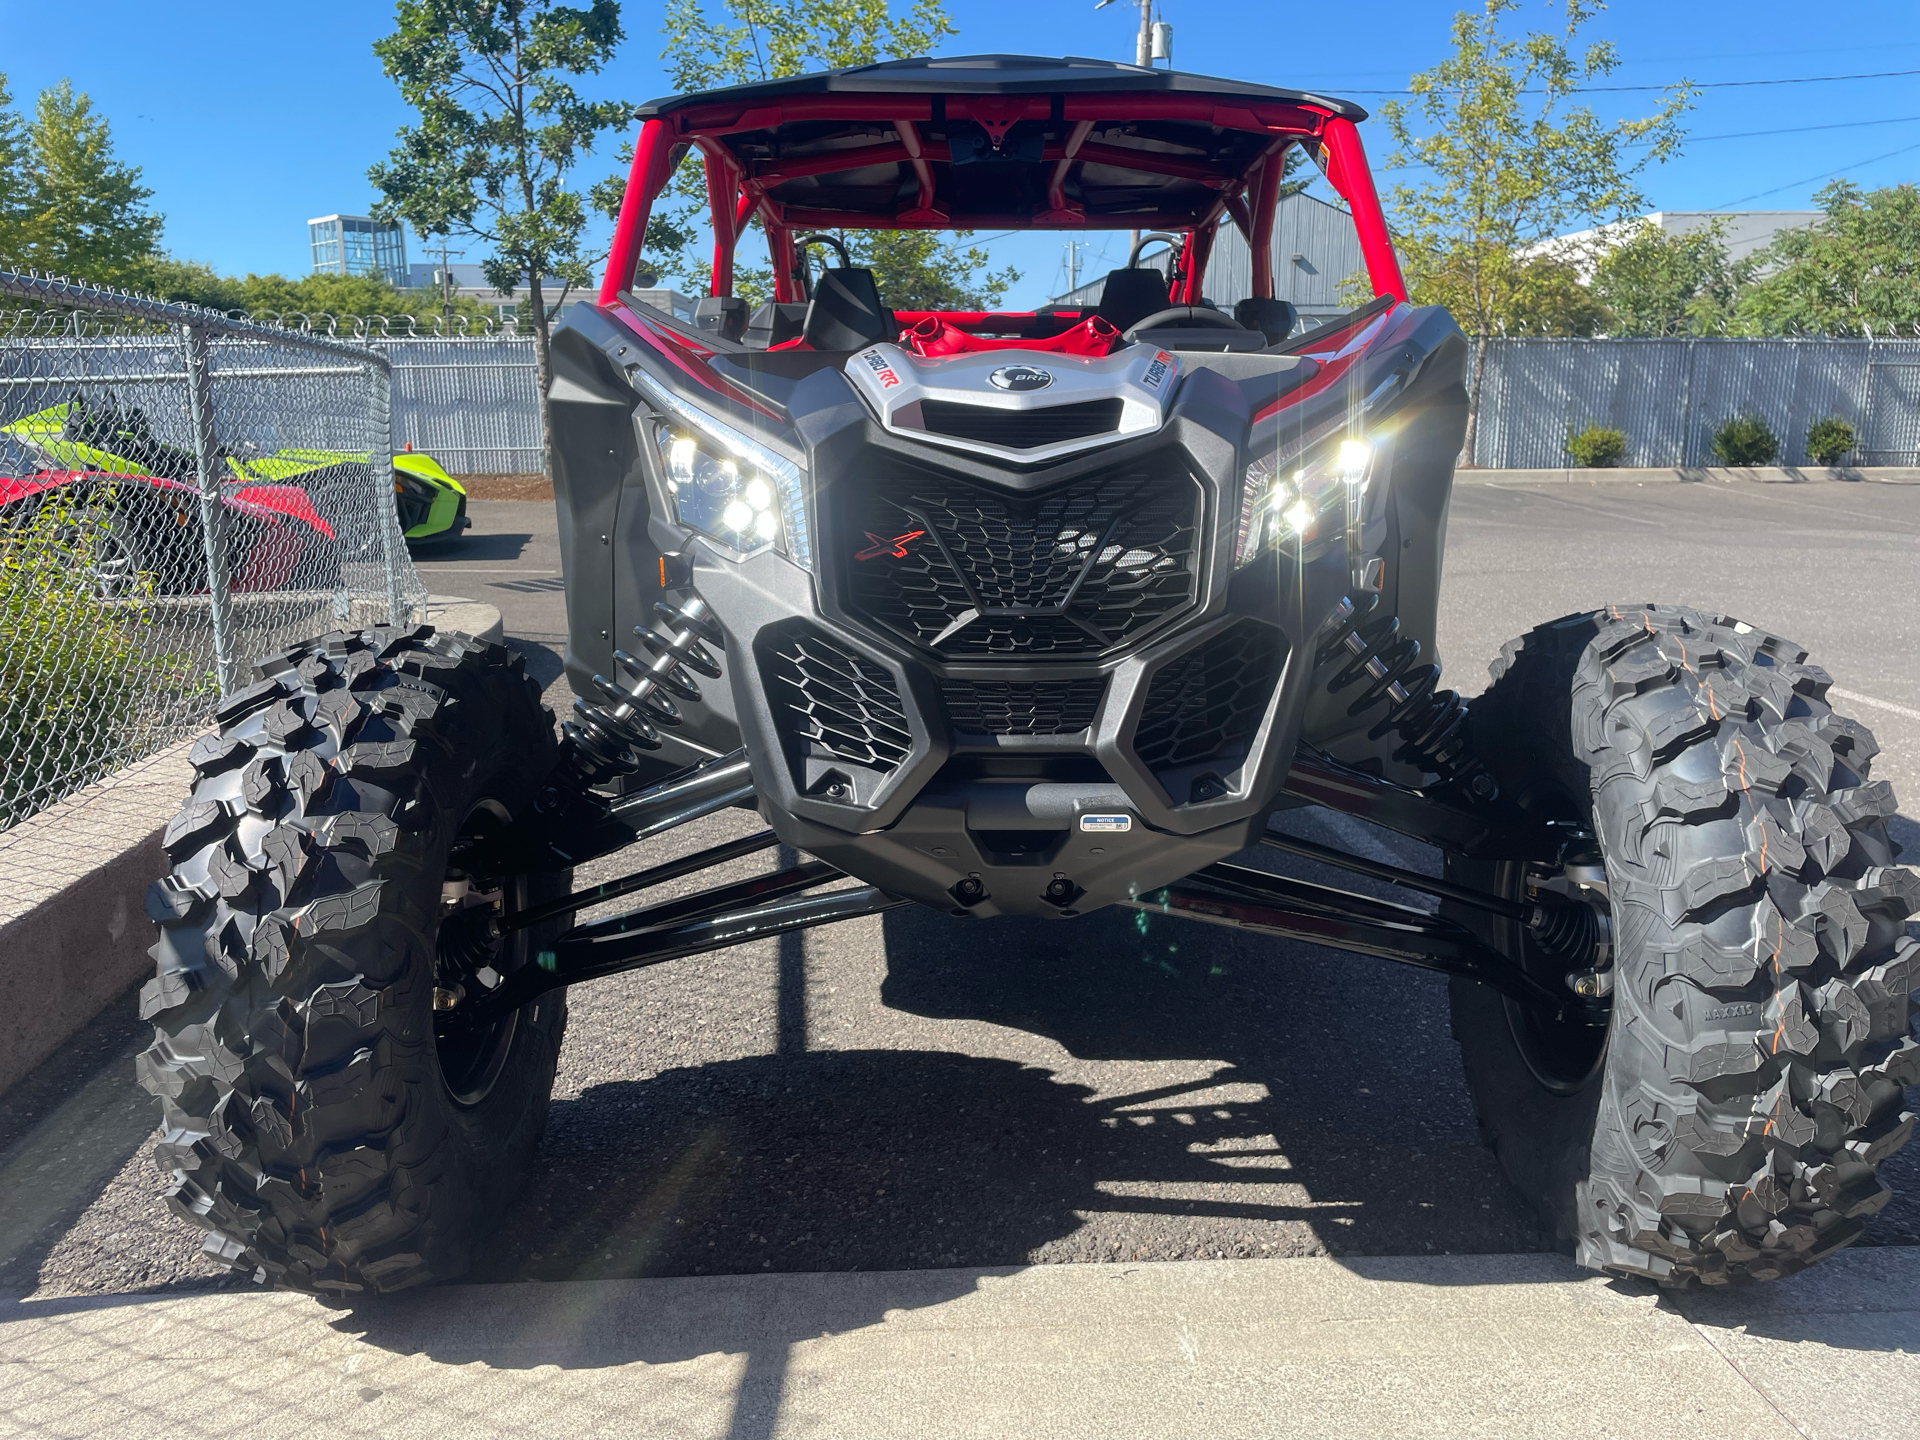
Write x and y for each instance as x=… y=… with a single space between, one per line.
x=473 y=1055
x=1563 y=1054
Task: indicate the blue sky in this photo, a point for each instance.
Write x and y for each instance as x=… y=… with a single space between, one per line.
x=247 y=118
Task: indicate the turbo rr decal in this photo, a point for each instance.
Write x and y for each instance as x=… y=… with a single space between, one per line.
x=1156 y=373
x=882 y=370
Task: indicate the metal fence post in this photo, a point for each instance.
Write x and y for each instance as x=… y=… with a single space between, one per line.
x=1686 y=404
x=380 y=418
x=213 y=515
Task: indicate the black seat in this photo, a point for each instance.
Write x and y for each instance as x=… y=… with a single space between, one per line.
x=1274 y=319
x=846 y=313
x=775 y=322
x=1129 y=296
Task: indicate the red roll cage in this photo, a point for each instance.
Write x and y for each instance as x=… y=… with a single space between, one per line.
x=860 y=151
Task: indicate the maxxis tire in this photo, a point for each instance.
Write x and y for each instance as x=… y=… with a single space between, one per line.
x=1750 y=1080
x=308 y=1122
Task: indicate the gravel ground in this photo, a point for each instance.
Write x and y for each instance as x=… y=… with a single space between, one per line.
x=913 y=1090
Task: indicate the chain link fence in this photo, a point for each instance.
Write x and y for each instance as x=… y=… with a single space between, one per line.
x=1669 y=397
x=179 y=493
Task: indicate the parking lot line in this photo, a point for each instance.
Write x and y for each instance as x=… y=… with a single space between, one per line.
x=1859 y=699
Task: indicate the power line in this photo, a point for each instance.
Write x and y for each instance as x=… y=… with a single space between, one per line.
x=1294 y=79
x=1697 y=85
x=1735 y=135
x=1795 y=184
x=1797 y=129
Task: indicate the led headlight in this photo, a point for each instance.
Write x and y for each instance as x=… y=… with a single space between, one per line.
x=726 y=485
x=1288 y=494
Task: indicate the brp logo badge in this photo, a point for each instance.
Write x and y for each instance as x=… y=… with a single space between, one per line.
x=1020 y=378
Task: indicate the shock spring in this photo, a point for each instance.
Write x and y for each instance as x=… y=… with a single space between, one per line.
x=604 y=737
x=1431 y=723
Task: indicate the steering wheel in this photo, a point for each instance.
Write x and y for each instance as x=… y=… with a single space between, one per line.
x=1172 y=242
x=1181 y=317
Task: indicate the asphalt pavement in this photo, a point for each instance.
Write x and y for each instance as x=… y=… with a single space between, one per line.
x=914 y=1091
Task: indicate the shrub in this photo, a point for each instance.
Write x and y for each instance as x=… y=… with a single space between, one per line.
x=1597 y=446
x=1829 y=440
x=1745 y=440
x=71 y=674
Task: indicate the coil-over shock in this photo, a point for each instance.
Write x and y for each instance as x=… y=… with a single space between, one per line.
x=605 y=737
x=1431 y=723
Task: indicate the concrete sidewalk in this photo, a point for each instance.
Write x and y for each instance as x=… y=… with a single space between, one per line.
x=1519 y=1345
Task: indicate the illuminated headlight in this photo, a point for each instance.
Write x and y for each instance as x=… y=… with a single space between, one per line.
x=1287 y=498
x=726 y=485
x=717 y=495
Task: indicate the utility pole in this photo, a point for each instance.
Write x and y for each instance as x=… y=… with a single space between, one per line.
x=1144 y=48
x=446 y=286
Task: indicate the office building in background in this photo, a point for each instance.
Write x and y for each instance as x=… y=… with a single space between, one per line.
x=356 y=245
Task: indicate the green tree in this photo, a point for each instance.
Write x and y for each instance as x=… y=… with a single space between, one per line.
x=192 y=282
x=316 y=296
x=919 y=270
x=1512 y=162
x=1856 y=269
x=369 y=295
x=1653 y=283
x=80 y=212
x=768 y=39
x=501 y=126
x=16 y=181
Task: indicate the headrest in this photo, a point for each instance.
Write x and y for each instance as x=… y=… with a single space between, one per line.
x=1129 y=296
x=846 y=313
x=1273 y=318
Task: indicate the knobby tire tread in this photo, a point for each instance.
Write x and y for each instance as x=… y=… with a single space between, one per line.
x=305 y=1122
x=1762 y=1027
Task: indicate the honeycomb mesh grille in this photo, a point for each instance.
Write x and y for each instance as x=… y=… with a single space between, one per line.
x=977 y=572
x=1207 y=704
x=1022 y=707
x=840 y=703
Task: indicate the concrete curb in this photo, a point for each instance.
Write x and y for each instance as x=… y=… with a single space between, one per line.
x=1695 y=475
x=469 y=617
x=73 y=927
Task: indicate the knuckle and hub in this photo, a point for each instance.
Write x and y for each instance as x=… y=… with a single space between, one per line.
x=1028 y=614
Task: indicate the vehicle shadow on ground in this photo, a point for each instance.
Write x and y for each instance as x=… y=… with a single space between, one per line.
x=543 y=662
x=473 y=546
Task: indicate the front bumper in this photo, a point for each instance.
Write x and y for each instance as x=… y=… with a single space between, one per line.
x=1007 y=764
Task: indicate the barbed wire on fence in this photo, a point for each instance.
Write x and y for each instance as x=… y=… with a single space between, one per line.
x=409 y=327
x=180 y=492
x=58 y=321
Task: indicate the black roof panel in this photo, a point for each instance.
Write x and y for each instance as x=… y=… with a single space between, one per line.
x=997 y=75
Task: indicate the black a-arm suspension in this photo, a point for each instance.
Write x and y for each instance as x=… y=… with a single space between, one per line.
x=591 y=825
x=1253 y=900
